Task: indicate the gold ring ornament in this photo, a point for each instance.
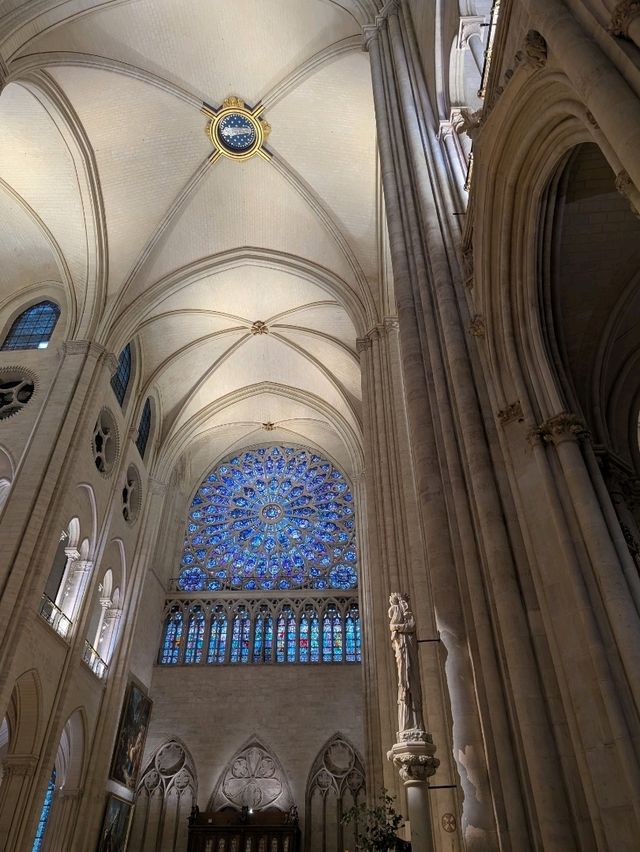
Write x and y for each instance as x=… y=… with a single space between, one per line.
x=236 y=131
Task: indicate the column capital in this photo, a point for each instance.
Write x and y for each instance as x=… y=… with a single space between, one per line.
x=469 y=26
x=414 y=758
x=20 y=764
x=623 y=15
x=371 y=31
x=156 y=486
x=559 y=428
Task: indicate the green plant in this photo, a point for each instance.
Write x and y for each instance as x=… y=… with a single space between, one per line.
x=376 y=827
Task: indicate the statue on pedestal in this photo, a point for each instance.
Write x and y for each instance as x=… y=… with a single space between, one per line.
x=403 y=638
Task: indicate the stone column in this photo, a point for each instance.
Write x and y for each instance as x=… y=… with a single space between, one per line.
x=19 y=771
x=416 y=763
x=470 y=557
x=61 y=820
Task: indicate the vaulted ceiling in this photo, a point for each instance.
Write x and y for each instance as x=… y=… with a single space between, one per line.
x=108 y=197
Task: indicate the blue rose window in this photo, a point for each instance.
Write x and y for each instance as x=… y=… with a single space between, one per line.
x=271 y=518
x=236 y=132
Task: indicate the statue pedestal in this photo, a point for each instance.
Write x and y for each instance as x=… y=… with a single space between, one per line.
x=413 y=756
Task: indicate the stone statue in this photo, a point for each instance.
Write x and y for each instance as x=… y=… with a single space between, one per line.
x=403 y=638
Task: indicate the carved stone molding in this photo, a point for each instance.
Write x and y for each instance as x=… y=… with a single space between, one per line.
x=623 y=15
x=535 y=49
x=467 y=266
x=477 y=326
x=562 y=427
x=391 y=324
x=363 y=343
x=625 y=187
x=510 y=413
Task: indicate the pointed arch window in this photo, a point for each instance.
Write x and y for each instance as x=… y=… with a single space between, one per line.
x=217 y=636
x=120 y=379
x=195 y=636
x=172 y=640
x=352 y=638
x=44 y=813
x=240 y=636
x=144 y=428
x=331 y=635
x=263 y=636
x=33 y=328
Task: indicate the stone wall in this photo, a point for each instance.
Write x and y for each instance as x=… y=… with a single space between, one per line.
x=292 y=710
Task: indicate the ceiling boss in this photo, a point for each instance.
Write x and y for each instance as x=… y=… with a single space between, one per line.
x=236 y=131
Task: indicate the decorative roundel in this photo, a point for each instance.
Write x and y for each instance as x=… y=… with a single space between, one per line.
x=271 y=518
x=15 y=392
x=236 y=132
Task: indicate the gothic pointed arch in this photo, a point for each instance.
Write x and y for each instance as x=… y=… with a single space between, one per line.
x=253 y=778
x=166 y=793
x=336 y=783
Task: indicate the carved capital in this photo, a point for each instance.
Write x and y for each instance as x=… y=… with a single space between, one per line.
x=562 y=427
x=626 y=188
x=477 y=327
x=415 y=759
x=470 y=25
x=624 y=13
x=466 y=121
x=157 y=487
x=535 y=49
x=363 y=343
x=20 y=764
x=371 y=31
x=510 y=413
x=391 y=324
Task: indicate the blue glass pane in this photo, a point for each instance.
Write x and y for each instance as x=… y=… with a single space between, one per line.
x=195 y=637
x=352 y=638
x=120 y=379
x=44 y=813
x=33 y=328
x=217 y=637
x=144 y=428
x=275 y=518
x=172 y=638
x=304 y=638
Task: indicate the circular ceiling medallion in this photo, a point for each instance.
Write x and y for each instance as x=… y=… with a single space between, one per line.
x=236 y=131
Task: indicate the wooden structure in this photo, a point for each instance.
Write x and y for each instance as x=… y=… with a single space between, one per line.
x=230 y=830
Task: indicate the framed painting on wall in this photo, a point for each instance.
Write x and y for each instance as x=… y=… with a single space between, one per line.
x=132 y=732
x=115 y=826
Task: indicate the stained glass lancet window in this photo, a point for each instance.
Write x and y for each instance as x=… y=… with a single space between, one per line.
x=217 y=636
x=195 y=636
x=172 y=638
x=271 y=518
x=144 y=428
x=44 y=813
x=33 y=328
x=120 y=379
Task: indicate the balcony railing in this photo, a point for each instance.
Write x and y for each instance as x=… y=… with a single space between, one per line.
x=93 y=659
x=55 y=617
